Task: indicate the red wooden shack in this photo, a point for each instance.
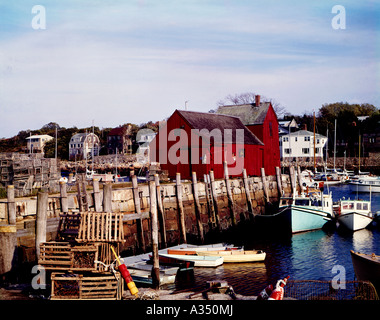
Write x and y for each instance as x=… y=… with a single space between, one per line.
x=196 y=141
x=261 y=120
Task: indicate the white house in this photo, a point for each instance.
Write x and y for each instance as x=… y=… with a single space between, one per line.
x=83 y=145
x=300 y=144
x=36 y=143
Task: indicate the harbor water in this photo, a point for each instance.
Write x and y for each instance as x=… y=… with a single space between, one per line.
x=314 y=255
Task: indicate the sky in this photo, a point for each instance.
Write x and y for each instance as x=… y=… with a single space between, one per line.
x=112 y=62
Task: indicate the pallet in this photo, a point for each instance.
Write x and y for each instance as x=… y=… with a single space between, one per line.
x=68 y=286
x=100 y=226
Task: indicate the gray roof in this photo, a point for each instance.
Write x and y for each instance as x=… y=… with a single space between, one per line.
x=249 y=114
x=211 y=121
x=307 y=133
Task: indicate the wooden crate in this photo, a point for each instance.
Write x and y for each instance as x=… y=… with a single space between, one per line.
x=55 y=255
x=105 y=286
x=62 y=256
x=101 y=226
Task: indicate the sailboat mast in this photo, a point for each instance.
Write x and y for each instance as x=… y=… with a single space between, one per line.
x=334 y=144
x=359 y=150
x=314 y=140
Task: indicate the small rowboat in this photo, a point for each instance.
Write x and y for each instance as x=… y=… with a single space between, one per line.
x=144 y=277
x=199 y=261
x=236 y=255
x=194 y=251
x=168 y=260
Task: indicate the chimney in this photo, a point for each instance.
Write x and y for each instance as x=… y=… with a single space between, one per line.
x=257 y=100
x=305 y=127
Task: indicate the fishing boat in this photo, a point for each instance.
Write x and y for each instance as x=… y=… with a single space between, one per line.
x=199 y=261
x=230 y=256
x=305 y=212
x=145 y=277
x=367 y=267
x=354 y=214
x=365 y=184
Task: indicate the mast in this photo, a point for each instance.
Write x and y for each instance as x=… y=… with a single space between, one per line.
x=359 y=151
x=314 y=140
x=334 y=144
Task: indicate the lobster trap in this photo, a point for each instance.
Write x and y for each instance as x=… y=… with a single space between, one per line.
x=62 y=256
x=326 y=290
x=69 y=286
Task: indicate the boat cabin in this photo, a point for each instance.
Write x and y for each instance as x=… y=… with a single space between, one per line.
x=314 y=200
x=355 y=205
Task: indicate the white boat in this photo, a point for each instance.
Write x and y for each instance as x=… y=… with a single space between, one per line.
x=199 y=261
x=365 y=184
x=355 y=214
x=236 y=255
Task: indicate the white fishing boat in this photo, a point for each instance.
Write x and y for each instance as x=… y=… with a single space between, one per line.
x=365 y=184
x=199 y=261
x=354 y=214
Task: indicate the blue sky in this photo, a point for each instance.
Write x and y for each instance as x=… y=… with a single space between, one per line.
x=138 y=60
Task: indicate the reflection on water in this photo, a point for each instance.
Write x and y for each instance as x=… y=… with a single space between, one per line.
x=305 y=256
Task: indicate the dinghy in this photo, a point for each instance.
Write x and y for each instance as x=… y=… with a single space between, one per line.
x=236 y=255
x=199 y=261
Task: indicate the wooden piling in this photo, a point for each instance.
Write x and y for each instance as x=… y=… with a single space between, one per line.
x=8 y=236
x=265 y=185
x=279 y=181
x=215 y=200
x=107 y=197
x=197 y=206
x=292 y=177
x=41 y=217
x=248 y=194
x=154 y=224
x=299 y=177
x=181 y=213
x=11 y=205
x=229 y=194
x=161 y=212
x=63 y=197
x=96 y=195
x=139 y=222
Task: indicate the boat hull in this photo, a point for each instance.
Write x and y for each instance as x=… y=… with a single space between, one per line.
x=361 y=187
x=302 y=219
x=366 y=267
x=354 y=221
x=236 y=256
x=199 y=261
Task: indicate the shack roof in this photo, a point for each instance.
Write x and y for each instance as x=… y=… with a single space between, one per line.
x=249 y=114
x=226 y=125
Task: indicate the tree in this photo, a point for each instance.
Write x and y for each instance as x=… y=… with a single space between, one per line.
x=249 y=98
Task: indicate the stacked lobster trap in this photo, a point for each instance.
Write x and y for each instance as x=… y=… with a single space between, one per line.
x=81 y=259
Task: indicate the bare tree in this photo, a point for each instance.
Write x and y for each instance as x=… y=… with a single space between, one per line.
x=249 y=98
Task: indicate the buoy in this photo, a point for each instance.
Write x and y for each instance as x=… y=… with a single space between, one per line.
x=264 y=295
x=278 y=293
x=126 y=275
